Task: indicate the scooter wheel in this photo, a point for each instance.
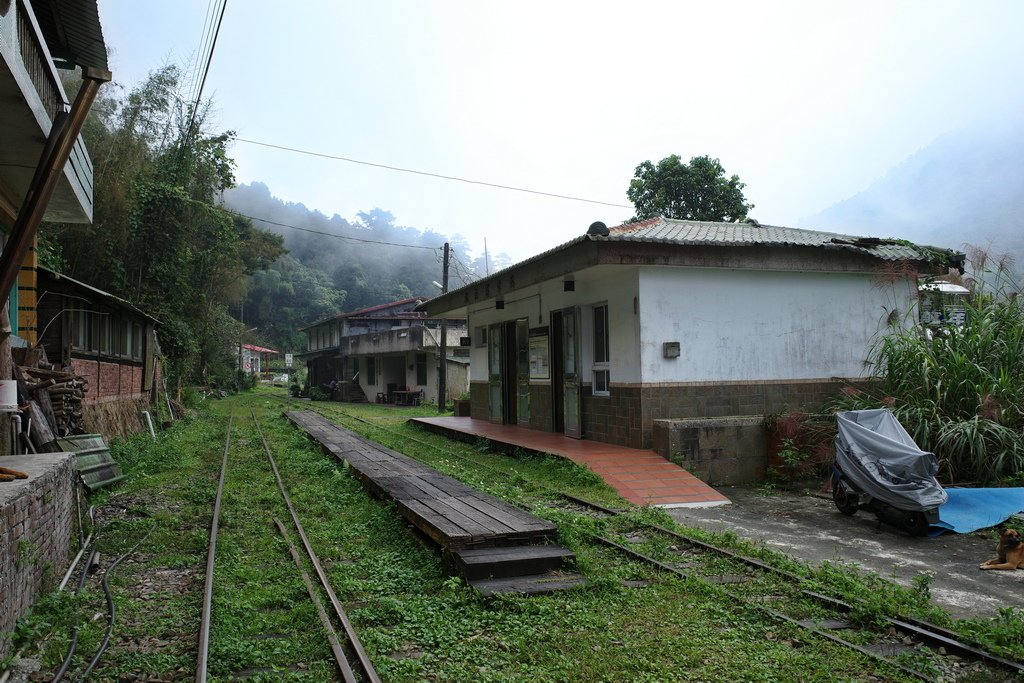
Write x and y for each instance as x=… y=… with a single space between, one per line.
x=918 y=525
x=846 y=502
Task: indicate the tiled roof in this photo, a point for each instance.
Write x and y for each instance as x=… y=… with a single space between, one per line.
x=258 y=349
x=379 y=307
x=362 y=312
x=699 y=233
x=682 y=233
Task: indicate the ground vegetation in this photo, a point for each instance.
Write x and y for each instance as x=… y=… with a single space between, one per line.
x=417 y=623
x=958 y=387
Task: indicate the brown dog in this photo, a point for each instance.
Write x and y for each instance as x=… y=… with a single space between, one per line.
x=1010 y=552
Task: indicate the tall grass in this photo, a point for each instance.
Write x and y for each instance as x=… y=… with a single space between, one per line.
x=959 y=390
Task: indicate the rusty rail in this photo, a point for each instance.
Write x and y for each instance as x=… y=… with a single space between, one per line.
x=368 y=671
x=204 y=623
x=923 y=630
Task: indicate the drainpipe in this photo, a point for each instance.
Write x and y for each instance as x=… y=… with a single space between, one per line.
x=16 y=433
x=59 y=144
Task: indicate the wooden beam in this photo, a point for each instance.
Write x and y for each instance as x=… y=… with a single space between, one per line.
x=59 y=144
x=8 y=211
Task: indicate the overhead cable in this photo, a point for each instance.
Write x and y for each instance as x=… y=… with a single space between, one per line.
x=206 y=70
x=429 y=174
x=331 y=234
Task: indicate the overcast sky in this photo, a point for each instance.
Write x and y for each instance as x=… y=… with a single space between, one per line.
x=807 y=102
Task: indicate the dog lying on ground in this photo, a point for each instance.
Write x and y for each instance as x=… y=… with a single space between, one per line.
x=1009 y=552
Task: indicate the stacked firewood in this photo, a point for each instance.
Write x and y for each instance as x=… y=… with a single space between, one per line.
x=51 y=399
x=65 y=391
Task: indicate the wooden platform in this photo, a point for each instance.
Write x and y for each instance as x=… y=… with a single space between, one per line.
x=498 y=548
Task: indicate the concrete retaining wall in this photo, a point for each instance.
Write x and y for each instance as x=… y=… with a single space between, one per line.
x=720 y=450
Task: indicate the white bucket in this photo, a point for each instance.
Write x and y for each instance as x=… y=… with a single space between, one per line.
x=8 y=395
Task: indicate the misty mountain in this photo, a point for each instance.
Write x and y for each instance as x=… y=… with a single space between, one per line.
x=966 y=187
x=335 y=265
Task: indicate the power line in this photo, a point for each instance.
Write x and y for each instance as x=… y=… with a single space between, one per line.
x=204 y=40
x=206 y=70
x=331 y=234
x=432 y=175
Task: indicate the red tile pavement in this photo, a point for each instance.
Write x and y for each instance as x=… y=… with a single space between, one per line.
x=640 y=476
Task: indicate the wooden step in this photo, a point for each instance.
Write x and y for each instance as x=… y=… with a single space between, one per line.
x=497 y=563
x=534 y=584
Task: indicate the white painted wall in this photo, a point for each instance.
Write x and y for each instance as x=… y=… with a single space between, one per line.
x=741 y=325
x=614 y=285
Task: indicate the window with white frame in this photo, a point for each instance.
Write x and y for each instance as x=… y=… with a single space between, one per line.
x=602 y=357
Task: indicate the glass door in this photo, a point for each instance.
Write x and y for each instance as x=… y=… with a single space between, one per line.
x=494 y=411
x=571 y=373
x=523 y=372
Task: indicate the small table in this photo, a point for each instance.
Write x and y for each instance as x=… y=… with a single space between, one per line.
x=408 y=398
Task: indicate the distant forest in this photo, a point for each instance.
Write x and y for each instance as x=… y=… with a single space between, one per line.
x=171 y=234
x=354 y=265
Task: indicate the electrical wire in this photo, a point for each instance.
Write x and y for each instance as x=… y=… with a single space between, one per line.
x=206 y=70
x=59 y=676
x=331 y=234
x=111 y=608
x=204 y=39
x=430 y=174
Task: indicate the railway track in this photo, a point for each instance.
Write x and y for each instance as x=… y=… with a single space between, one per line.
x=352 y=662
x=914 y=647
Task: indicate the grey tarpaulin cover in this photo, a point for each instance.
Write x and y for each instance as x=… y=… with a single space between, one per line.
x=879 y=457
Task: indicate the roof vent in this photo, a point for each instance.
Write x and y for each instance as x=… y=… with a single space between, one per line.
x=598 y=229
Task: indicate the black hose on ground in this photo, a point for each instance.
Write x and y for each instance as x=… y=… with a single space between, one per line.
x=74 y=628
x=111 y=609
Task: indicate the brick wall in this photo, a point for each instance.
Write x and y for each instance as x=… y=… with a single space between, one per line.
x=36 y=524
x=724 y=399
x=540 y=407
x=108 y=380
x=626 y=416
x=478 y=400
x=616 y=418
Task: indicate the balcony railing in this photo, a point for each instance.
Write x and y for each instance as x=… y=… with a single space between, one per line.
x=40 y=69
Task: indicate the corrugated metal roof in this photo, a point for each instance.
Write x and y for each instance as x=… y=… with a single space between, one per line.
x=124 y=303
x=684 y=233
x=698 y=233
x=72 y=31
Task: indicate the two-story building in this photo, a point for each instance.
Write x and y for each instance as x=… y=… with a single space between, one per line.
x=377 y=351
x=35 y=40
x=45 y=174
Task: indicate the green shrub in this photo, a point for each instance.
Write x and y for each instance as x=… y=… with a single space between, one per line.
x=959 y=390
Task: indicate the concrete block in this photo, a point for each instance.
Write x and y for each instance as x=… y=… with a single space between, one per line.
x=721 y=450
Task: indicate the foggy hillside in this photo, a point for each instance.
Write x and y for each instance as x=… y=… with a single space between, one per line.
x=323 y=275
x=966 y=187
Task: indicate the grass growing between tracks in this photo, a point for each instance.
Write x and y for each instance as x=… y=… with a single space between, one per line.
x=873 y=596
x=416 y=622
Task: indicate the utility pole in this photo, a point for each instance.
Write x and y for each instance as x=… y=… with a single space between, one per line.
x=442 y=370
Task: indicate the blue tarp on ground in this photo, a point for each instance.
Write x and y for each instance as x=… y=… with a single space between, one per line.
x=971 y=509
